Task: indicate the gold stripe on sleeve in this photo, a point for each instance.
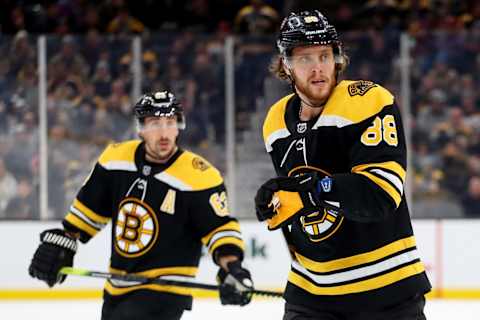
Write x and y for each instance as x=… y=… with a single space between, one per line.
x=90 y=213
x=386 y=186
x=227 y=240
x=80 y=224
x=232 y=225
x=389 y=165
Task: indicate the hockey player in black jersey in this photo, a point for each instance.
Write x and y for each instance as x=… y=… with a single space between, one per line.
x=338 y=149
x=163 y=203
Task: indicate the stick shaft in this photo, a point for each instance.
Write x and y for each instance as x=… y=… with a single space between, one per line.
x=144 y=280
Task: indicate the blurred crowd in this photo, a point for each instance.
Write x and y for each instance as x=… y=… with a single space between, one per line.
x=91 y=83
x=446 y=127
x=257 y=16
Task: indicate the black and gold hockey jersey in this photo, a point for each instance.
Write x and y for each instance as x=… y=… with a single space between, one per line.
x=161 y=215
x=366 y=257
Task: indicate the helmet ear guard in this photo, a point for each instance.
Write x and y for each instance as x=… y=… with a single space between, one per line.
x=341 y=59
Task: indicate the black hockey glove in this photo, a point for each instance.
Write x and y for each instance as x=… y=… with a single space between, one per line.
x=279 y=199
x=235 y=285
x=56 y=250
x=265 y=203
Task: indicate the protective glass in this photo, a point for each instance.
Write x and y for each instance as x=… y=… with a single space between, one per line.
x=160 y=123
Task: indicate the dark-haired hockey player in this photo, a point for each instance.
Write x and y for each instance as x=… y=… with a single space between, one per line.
x=339 y=152
x=163 y=203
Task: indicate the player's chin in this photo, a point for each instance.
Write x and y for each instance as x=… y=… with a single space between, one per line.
x=166 y=149
x=319 y=97
x=321 y=94
x=163 y=152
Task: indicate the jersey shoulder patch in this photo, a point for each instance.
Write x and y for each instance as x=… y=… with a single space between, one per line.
x=274 y=126
x=354 y=101
x=191 y=172
x=360 y=87
x=119 y=156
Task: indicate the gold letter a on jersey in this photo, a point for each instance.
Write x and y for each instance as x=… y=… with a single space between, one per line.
x=168 y=204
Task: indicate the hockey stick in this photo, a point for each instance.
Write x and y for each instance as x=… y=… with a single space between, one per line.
x=145 y=280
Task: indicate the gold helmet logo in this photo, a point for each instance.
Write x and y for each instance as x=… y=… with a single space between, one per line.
x=310 y=19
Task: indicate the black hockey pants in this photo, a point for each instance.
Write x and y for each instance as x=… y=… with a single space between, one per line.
x=411 y=309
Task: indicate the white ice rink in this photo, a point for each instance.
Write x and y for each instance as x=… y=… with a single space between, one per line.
x=209 y=309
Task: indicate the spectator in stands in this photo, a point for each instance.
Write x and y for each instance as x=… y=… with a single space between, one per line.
x=79 y=167
x=67 y=96
x=454 y=167
x=70 y=57
x=198 y=15
x=381 y=14
x=92 y=19
x=103 y=128
x=471 y=198
x=454 y=128
x=56 y=76
x=471 y=107
x=92 y=47
x=121 y=98
x=433 y=113
x=474 y=165
x=8 y=187
x=17 y=18
x=5 y=82
x=18 y=159
x=83 y=116
x=61 y=149
x=124 y=24
x=424 y=160
x=151 y=69
x=181 y=50
x=125 y=72
x=21 y=52
x=180 y=82
x=102 y=79
x=25 y=203
x=4 y=118
x=256 y=22
x=204 y=76
x=27 y=84
x=256 y=18
x=119 y=112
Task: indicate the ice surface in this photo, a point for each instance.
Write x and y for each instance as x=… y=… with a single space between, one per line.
x=209 y=309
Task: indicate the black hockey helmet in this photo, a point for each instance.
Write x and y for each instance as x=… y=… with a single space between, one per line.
x=306 y=28
x=159 y=104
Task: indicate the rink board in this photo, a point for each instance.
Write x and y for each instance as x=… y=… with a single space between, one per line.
x=449 y=249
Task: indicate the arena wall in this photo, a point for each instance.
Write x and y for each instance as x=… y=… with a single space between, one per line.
x=449 y=249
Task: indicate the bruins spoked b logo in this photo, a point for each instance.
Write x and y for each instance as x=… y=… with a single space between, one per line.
x=136 y=229
x=321 y=225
